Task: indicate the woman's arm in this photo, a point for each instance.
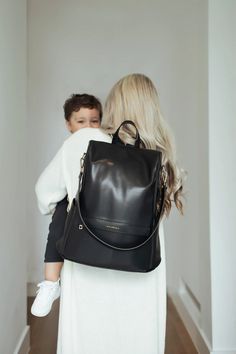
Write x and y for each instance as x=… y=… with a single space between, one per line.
x=50 y=187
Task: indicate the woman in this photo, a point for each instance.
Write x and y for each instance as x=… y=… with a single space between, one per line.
x=104 y=311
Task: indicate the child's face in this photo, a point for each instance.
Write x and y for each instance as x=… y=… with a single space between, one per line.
x=84 y=118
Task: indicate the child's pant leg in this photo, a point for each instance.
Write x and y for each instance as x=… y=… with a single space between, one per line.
x=56 y=229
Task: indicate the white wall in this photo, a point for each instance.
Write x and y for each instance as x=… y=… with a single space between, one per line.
x=87 y=46
x=222 y=147
x=12 y=177
x=188 y=249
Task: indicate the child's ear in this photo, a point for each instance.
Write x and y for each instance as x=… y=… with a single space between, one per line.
x=68 y=125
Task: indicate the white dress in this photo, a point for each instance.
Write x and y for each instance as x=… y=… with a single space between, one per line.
x=102 y=311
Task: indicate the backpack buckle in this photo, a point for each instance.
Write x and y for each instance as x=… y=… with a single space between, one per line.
x=82 y=162
x=164 y=175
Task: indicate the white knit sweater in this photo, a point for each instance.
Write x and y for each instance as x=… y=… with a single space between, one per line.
x=60 y=177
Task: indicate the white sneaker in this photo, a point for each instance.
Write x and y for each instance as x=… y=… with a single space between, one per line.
x=48 y=292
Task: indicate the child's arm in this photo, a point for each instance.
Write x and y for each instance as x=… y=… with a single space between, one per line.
x=50 y=187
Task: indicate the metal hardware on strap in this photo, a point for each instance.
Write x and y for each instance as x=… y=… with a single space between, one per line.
x=164 y=175
x=82 y=162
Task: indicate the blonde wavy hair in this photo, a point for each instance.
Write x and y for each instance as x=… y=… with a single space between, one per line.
x=135 y=98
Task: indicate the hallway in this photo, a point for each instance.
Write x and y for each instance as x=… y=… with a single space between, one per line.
x=50 y=50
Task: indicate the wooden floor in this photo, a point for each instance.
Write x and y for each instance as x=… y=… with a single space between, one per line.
x=44 y=332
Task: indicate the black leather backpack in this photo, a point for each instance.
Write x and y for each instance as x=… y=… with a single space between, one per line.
x=114 y=219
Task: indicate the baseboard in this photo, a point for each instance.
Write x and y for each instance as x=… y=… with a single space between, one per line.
x=223 y=351
x=23 y=346
x=31 y=289
x=198 y=338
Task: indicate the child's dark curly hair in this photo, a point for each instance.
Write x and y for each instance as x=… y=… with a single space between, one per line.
x=77 y=101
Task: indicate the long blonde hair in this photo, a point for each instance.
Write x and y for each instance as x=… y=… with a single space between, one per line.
x=135 y=97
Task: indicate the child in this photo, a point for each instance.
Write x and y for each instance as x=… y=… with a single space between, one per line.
x=80 y=111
